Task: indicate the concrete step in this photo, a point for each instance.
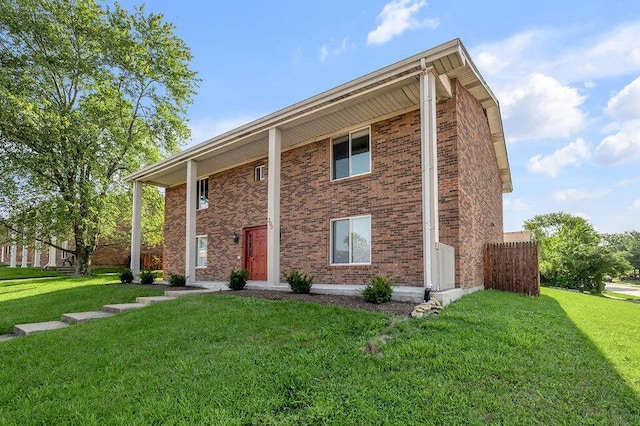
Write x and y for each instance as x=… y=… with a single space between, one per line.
x=150 y=300
x=121 y=307
x=5 y=337
x=181 y=293
x=64 y=270
x=77 y=317
x=37 y=327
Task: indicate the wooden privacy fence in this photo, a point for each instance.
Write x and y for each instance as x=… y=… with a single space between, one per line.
x=512 y=267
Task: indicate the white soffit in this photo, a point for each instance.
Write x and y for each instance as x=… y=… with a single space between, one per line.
x=385 y=92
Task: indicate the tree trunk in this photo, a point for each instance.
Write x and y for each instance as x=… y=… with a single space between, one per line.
x=83 y=260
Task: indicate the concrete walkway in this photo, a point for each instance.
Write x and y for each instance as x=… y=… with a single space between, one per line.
x=628 y=289
x=107 y=311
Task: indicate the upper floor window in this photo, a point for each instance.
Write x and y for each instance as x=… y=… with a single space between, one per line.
x=202 y=196
x=259 y=174
x=351 y=154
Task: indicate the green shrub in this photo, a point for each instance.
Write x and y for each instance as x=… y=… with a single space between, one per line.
x=238 y=279
x=177 y=280
x=378 y=290
x=300 y=283
x=126 y=277
x=147 y=277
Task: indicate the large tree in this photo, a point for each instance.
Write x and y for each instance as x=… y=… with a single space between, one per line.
x=88 y=93
x=572 y=254
x=628 y=243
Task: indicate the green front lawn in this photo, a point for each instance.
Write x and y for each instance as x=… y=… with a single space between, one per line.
x=26 y=300
x=7 y=273
x=490 y=358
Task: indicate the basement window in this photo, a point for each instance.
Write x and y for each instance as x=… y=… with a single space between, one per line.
x=350 y=154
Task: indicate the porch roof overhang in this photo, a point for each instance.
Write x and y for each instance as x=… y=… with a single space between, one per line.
x=384 y=93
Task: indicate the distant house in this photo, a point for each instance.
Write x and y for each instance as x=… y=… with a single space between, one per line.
x=517 y=237
x=399 y=172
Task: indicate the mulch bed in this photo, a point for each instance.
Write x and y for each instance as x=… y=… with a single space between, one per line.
x=352 y=302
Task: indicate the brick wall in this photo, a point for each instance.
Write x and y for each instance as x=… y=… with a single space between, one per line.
x=470 y=198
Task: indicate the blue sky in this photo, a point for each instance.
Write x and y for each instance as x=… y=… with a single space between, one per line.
x=566 y=73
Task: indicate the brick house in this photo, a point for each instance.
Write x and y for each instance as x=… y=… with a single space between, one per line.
x=399 y=172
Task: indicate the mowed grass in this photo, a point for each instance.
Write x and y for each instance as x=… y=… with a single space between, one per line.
x=489 y=358
x=37 y=300
x=612 y=325
x=7 y=273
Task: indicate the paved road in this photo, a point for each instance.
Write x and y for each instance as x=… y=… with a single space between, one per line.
x=631 y=290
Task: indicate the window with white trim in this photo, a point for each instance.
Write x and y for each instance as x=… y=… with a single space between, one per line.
x=351 y=241
x=259 y=174
x=201 y=251
x=202 y=195
x=351 y=154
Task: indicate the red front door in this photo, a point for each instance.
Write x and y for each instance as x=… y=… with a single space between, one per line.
x=255 y=252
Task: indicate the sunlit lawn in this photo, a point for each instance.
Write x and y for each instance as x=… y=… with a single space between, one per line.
x=7 y=273
x=489 y=358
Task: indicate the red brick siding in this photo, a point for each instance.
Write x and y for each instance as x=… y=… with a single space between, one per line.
x=391 y=194
x=470 y=198
x=174 y=230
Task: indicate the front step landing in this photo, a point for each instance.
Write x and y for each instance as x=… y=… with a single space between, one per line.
x=150 y=300
x=77 y=317
x=37 y=327
x=121 y=307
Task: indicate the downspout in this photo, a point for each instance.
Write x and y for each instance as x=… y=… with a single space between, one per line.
x=429 y=178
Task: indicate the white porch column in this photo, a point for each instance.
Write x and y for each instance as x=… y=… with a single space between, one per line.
x=14 y=251
x=25 y=253
x=428 y=135
x=52 y=253
x=36 y=253
x=273 y=207
x=136 y=230
x=2 y=254
x=190 y=225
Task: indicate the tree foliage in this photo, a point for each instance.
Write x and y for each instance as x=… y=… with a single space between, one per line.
x=628 y=243
x=88 y=94
x=572 y=254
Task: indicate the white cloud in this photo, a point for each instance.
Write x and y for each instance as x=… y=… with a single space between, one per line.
x=333 y=49
x=396 y=17
x=573 y=195
x=550 y=165
x=635 y=205
x=324 y=52
x=540 y=107
x=625 y=105
x=627 y=182
x=623 y=146
x=208 y=127
x=515 y=204
x=569 y=56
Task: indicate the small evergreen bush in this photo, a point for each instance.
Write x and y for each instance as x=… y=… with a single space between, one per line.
x=300 y=282
x=147 y=277
x=177 y=280
x=238 y=279
x=126 y=277
x=378 y=290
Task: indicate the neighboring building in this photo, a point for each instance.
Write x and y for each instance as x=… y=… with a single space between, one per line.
x=517 y=237
x=399 y=172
